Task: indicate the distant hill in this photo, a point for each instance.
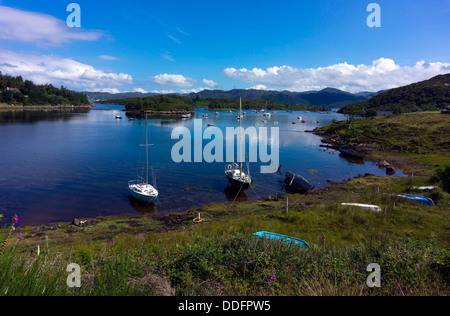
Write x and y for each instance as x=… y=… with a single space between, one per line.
x=106 y=96
x=328 y=97
x=428 y=95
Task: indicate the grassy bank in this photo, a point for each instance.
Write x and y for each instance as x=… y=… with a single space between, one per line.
x=416 y=142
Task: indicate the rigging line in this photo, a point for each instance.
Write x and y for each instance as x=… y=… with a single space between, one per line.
x=229 y=207
x=259 y=198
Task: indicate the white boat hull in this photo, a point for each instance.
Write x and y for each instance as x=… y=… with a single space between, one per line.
x=366 y=207
x=143 y=192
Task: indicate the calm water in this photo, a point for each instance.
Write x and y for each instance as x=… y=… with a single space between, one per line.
x=59 y=166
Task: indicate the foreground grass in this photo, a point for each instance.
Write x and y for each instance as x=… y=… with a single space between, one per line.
x=236 y=264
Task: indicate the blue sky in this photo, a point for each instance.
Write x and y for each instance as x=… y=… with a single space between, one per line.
x=182 y=46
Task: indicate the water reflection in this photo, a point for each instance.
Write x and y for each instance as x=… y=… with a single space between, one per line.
x=143 y=208
x=34 y=116
x=234 y=194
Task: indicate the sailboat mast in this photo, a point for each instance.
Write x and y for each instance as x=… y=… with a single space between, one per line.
x=146 y=146
x=240 y=136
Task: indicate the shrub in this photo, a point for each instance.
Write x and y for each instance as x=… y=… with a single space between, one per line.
x=442 y=176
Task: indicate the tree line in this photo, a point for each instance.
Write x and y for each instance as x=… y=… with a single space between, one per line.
x=26 y=93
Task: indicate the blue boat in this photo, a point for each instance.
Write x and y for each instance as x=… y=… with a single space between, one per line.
x=289 y=240
x=417 y=198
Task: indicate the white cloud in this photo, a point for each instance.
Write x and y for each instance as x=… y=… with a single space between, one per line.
x=196 y=90
x=174 y=80
x=382 y=74
x=210 y=83
x=167 y=56
x=43 y=69
x=107 y=57
x=140 y=90
x=173 y=39
x=259 y=87
x=164 y=91
x=108 y=90
x=38 y=28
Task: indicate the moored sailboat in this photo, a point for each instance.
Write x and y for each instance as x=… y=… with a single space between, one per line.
x=234 y=173
x=140 y=188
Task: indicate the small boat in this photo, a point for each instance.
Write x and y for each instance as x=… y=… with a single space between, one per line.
x=267 y=115
x=141 y=189
x=297 y=183
x=118 y=117
x=264 y=121
x=286 y=239
x=294 y=123
x=210 y=124
x=352 y=153
x=417 y=199
x=366 y=207
x=276 y=123
x=426 y=188
x=186 y=116
x=304 y=122
x=299 y=118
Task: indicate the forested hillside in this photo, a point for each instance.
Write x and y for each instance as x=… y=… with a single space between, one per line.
x=16 y=91
x=428 y=95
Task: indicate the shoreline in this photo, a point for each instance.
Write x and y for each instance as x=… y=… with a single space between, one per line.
x=401 y=161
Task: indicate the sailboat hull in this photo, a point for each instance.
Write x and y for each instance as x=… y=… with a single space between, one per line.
x=143 y=192
x=237 y=184
x=142 y=197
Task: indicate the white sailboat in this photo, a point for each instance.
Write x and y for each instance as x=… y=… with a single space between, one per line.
x=140 y=188
x=236 y=177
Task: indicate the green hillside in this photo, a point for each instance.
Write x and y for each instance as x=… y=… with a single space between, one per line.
x=428 y=95
x=15 y=90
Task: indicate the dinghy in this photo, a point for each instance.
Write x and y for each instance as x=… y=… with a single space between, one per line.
x=417 y=199
x=286 y=239
x=297 y=183
x=352 y=153
x=366 y=207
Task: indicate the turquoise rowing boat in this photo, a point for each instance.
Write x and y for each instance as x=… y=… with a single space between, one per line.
x=417 y=199
x=289 y=240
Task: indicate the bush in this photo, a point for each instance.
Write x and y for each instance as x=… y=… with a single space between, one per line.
x=442 y=176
